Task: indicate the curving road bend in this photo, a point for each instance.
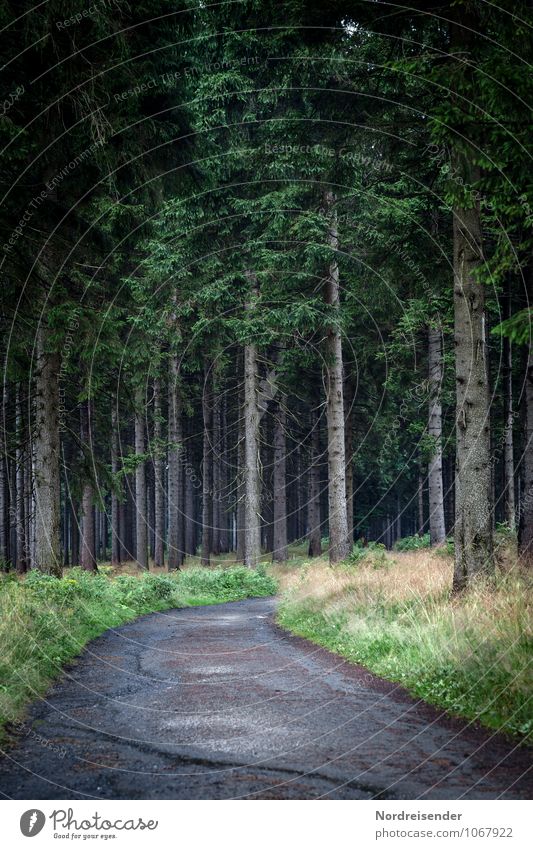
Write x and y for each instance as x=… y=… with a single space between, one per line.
x=217 y=703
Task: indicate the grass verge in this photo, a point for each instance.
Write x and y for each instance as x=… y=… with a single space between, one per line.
x=45 y=621
x=395 y=615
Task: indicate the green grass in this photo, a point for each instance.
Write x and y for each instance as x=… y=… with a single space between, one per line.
x=45 y=621
x=471 y=655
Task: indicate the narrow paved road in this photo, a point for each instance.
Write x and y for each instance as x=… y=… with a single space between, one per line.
x=217 y=702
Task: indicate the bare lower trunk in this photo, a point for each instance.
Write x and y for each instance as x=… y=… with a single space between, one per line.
x=115 y=531
x=313 y=509
x=74 y=533
x=22 y=553
x=267 y=490
x=121 y=524
x=252 y=489
x=508 y=448
x=398 y=521
x=348 y=440
x=175 y=468
x=279 y=552
x=159 y=479
x=240 y=507
x=28 y=498
x=103 y=534
x=141 y=527
x=224 y=481
x=8 y=514
x=190 y=519
x=88 y=554
x=88 y=542
x=303 y=489
x=216 y=463
x=47 y=552
x=437 y=530
x=129 y=518
x=207 y=470
x=150 y=495
x=4 y=460
x=338 y=527
x=473 y=519
x=420 y=503
x=526 y=504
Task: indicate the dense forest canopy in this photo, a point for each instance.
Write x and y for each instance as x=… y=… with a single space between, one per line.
x=267 y=277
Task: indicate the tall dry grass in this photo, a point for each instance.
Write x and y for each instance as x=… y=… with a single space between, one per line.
x=470 y=653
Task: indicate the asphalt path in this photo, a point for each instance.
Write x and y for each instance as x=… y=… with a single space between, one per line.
x=218 y=702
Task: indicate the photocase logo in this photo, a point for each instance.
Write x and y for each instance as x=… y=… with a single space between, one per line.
x=32 y=822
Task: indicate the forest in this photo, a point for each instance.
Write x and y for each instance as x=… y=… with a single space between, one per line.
x=262 y=283
x=266 y=286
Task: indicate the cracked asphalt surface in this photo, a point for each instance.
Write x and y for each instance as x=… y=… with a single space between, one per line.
x=217 y=703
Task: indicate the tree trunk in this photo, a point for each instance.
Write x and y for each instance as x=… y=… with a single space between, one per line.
x=190 y=511
x=215 y=484
x=22 y=558
x=159 y=478
x=420 y=503
x=526 y=505
x=74 y=533
x=150 y=495
x=88 y=551
x=473 y=520
x=207 y=469
x=88 y=554
x=388 y=532
x=314 y=534
x=175 y=468
x=141 y=528
x=9 y=497
x=240 y=519
x=398 y=521
x=437 y=530
x=267 y=489
x=103 y=533
x=449 y=496
x=65 y=524
x=348 y=447
x=508 y=416
x=303 y=489
x=240 y=493
x=252 y=488
x=122 y=524
x=224 y=481
x=473 y=506
x=115 y=526
x=4 y=455
x=279 y=552
x=129 y=519
x=338 y=528
x=47 y=554
x=28 y=497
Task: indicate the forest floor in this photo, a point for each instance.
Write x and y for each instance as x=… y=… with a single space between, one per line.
x=393 y=612
x=218 y=702
x=215 y=703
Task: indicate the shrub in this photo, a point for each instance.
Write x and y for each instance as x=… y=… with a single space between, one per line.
x=227 y=584
x=413 y=543
x=374 y=553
